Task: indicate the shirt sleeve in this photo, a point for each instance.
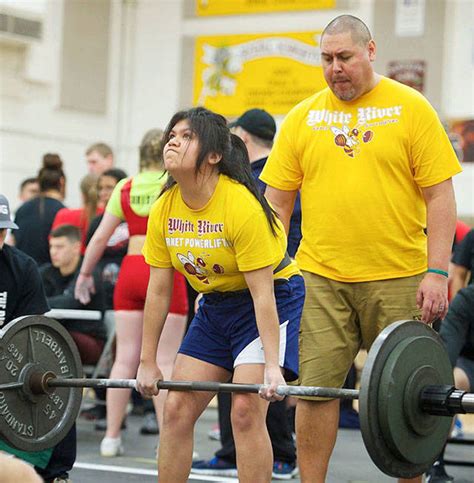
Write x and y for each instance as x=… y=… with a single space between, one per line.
x=254 y=243
x=282 y=169
x=433 y=156
x=33 y=300
x=114 y=205
x=464 y=252
x=155 y=250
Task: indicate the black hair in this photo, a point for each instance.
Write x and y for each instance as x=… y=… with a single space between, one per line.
x=215 y=137
x=71 y=232
x=115 y=173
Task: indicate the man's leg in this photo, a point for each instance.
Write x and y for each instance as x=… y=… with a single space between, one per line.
x=62 y=459
x=316 y=431
x=382 y=302
x=329 y=341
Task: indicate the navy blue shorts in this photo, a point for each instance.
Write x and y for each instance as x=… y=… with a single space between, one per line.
x=224 y=330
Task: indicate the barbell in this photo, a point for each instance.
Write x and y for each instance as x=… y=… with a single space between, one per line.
x=406 y=400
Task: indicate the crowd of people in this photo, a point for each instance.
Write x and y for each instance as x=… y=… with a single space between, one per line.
x=254 y=227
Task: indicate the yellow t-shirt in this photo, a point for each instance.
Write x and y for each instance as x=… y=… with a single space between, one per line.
x=146 y=187
x=360 y=166
x=212 y=246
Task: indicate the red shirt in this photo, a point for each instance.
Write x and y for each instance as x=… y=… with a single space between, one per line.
x=76 y=217
x=462 y=229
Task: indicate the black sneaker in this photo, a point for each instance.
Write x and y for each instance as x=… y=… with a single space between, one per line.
x=150 y=424
x=437 y=474
x=284 y=471
x=94 y=413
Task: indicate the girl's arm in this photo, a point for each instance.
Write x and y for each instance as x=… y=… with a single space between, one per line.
x=94 y=251
x=260 y=284
x=158 y=298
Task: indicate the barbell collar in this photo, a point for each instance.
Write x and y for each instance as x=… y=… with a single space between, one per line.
x=446 y=400
x=328 y=392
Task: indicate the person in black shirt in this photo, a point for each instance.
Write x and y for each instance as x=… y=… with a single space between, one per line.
x=35 y=217
x=257 y=129
x=462 y=267
x=17 y=298
x=22 y=293
x=59 y=279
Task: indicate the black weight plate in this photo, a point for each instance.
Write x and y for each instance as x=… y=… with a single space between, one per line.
x=37 y=344
x=402 y=440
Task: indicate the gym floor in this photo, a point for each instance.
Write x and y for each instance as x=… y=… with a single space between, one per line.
x=350 y=461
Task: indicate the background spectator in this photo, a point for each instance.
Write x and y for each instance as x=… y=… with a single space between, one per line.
x=22 y=293
x=29 y=188
x=109 y=264
x=59 y=278
x=35 y=217
x=257 y=129
x=100 y=157
x=81 y=217
x=462 y=264
x=131 y=201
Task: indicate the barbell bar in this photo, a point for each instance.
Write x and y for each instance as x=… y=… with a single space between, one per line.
x=406 y=400
x=327 y=392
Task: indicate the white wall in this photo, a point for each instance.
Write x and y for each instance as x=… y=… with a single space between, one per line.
x=148 y=41
x=458 y=86
x=31 y=121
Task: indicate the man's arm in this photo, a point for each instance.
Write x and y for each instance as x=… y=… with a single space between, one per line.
x=432 y=296
x=283 y=203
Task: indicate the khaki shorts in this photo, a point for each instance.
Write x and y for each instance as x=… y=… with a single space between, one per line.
x=339 y=318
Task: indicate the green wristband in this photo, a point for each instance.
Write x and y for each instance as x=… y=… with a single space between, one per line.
x=439 y=272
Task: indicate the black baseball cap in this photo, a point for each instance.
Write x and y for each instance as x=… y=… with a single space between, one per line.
x=257 y=122
x=5 y=219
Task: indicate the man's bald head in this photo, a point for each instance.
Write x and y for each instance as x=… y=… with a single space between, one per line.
x=360 y=33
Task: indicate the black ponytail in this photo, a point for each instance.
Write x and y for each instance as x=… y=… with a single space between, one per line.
x=215 y=137
x=237 y=167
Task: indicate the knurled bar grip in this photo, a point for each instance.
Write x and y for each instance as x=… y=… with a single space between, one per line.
x=328 y=392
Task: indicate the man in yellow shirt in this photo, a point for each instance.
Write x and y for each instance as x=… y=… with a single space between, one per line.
x=374 y=167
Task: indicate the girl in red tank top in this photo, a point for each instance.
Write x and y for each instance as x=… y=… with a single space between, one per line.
x=130 y=291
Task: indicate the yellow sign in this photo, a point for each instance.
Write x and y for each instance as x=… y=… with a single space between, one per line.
x=269 y=71
x=229 y=7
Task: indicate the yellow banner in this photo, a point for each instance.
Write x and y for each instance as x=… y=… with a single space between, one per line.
x=229 y=7
x=270 y=71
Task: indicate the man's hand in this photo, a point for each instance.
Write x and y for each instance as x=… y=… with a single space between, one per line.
x=432 y=297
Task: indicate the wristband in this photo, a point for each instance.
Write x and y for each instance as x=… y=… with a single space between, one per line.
x=439 y=272
x=85 y=274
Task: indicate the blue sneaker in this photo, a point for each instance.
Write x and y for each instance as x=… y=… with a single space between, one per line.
x=216 y=467
x=457 y=431
x=284 y=471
